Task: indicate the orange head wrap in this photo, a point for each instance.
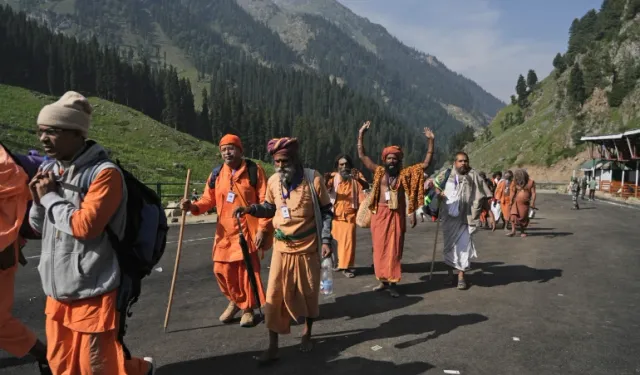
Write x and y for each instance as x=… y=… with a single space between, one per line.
x=231 y=139
x=392 y=150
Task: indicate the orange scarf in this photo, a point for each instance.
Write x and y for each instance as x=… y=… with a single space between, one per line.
x=14 y=196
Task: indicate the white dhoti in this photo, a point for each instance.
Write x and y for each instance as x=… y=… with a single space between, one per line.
x=458 y=243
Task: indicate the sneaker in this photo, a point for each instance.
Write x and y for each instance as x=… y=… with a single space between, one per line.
x=230 y=313
x=247 y=319
x=152 y=366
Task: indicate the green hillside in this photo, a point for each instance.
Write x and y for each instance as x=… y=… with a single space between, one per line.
x=542 y=139
x=152 y=151
x=592 y=90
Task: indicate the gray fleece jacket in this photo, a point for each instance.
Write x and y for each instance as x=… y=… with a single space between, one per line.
x=70 y=268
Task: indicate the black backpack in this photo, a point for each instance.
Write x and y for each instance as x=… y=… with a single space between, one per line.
x=143 y=244
x=252 y=169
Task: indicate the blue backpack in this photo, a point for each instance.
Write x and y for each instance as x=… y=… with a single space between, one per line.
x=144 y=240
x=431 y=201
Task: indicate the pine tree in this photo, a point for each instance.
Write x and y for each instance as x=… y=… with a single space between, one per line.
x=575 y=89
x=532 y=79
x=559 y=64
x=521 y=91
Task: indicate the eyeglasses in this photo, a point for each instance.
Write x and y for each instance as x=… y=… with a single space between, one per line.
x=51 y=132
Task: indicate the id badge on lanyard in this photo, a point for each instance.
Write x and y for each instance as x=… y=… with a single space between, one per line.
x=285 y=212
x=231 y=196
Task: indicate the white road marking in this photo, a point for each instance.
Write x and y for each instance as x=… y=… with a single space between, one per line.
x=192 y=240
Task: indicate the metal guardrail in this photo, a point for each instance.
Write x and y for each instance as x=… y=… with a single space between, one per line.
x=161 y=192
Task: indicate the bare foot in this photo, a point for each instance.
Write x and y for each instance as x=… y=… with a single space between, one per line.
x=523 y=235
x=267 y=357
x=306 y=345
x=393 y=292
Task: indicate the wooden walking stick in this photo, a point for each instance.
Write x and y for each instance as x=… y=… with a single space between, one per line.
x=175 y=268
x=435 y=243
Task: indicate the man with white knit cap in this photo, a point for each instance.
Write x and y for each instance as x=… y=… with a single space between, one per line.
x=78 y=266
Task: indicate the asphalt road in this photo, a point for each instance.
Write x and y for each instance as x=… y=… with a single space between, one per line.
x=563 y=301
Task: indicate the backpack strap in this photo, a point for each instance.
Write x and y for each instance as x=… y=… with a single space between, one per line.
x=215 y=172
x=441 y=184
x=252 y=170
x=90 y=173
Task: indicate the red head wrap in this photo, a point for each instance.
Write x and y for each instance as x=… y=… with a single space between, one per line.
x=285 y=146
x=231 y=139
x=392 y=150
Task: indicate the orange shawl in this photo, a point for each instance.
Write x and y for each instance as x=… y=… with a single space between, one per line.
x=412 y=180
x=14 y=196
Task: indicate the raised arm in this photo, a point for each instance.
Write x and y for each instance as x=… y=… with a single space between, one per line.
x=431 y=139
x=368 y=163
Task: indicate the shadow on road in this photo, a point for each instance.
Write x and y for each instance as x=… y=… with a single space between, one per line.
x=354 y=306
x=329 y=347
x=549 y=234
x=492 y=274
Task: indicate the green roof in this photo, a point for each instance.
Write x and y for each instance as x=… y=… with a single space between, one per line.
x=589 y=164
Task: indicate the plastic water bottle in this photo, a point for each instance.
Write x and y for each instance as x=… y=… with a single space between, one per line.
x=326 y=282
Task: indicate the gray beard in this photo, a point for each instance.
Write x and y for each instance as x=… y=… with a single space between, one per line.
x=286 y=175
x=345 y=175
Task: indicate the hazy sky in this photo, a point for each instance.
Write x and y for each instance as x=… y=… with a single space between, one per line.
x=489 y=41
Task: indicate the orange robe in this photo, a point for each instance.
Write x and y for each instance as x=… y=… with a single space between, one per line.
x=228 y=262
x=15 y=337
x=82 y=335
x=388 y=226
x=503 y=196
x=343 y=228
x=521 y=198
x=294 y=278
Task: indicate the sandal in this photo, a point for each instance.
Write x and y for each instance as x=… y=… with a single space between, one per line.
x=349 y=274
x=381 y=287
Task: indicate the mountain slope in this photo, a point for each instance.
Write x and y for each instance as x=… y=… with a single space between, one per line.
x=421 y=72
x=593 y=90
x=197 y=35
x=146 y=147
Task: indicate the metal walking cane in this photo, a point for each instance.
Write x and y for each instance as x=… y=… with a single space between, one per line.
x=247 y=261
